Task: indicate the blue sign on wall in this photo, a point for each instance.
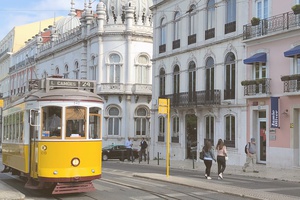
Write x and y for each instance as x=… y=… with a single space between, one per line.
x=274 y=112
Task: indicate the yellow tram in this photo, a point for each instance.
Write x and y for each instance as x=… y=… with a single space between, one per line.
x=52 y=135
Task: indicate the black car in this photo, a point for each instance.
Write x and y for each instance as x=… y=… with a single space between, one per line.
x=117 y=152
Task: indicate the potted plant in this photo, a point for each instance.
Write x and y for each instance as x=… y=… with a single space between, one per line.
x=285 y=78
x=261 y=81
x=296 y=9
x=245 y=82
x=295 y=77
x=255 y=21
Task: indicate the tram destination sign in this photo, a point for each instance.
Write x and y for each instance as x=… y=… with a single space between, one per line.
x=71 y=84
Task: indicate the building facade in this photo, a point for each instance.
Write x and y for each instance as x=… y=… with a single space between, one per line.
x=111 y=45
x=198 y=65
x=271 y=82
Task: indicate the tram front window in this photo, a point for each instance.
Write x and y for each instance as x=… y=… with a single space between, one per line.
x=75 y=121
x=51 y=121
x=95 y=123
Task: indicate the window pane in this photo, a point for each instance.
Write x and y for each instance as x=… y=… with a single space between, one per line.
x=51 y=124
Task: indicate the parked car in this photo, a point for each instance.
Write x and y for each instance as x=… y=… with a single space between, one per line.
x=117 y=152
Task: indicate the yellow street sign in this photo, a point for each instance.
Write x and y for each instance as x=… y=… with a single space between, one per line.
x=1 y=103
x=163 y=106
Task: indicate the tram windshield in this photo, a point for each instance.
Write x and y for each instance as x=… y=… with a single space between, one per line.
x=51 y=121
x=75 y=121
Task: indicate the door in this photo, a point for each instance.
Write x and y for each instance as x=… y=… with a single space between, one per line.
x=261 y=143
x=191 y=135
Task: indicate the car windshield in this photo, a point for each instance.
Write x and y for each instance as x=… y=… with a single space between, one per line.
x=108 y=147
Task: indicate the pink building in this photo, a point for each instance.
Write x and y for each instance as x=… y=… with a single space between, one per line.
x=272 y=81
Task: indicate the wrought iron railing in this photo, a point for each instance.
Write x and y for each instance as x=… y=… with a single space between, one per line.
x=291 y=83
x=230 y=27
x=210 y=33
x=197 y=98
x=176 y=44
x=271 y=25
x=192 y=39
x=255 y=87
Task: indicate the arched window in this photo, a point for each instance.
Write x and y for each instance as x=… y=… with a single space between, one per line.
x=210 y=78
x=210 y=23
x=66 y=72
x=162 y=31
x=57 y=71
x=142 y=69
x=209 y=128
x=114 y=68
x=141 y=122
x=175 y=131
x=76 y=70
x=113 y=121
x=230 y=130
x=192 y=20
x=93 y=68
x=176 y=25
x=192 y=81
x=229 y=92
x=176 y=80
x=161 y=134
x=162 y=82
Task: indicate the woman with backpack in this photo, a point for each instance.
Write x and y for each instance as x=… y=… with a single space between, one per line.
x=221 y=155
x=209 y=156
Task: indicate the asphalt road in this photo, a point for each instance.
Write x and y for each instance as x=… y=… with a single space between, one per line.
x=259 y=184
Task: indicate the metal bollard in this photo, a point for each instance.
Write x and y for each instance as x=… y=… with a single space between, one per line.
x=148 y=157
x=193 y=161
x=122 y=158
x=157 y=158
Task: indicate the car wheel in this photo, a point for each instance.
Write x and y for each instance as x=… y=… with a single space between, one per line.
x=104 y=157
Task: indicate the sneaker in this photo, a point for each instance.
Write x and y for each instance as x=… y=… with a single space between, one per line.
x=205 y=175
x=220 y=176
x=209 y=178
x=255 y=171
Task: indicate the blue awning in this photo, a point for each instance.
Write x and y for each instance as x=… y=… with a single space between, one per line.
x=292 y=52
x=259 y=57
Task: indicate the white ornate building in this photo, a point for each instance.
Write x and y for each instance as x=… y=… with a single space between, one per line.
x=197 y=63
x=112 y=45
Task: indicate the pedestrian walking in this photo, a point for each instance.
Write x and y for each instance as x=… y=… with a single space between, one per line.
x=209 y=156
x=143 y=146
x=128 y=145
x=250 y=150
x=221 y=155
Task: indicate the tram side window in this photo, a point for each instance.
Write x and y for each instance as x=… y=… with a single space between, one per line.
x=51 y=121
x=75 y=121
x=95 y=123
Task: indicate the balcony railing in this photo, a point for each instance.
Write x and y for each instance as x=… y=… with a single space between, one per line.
x=256 y=87
x=210 y=33
x=229 y=94
x=162 y=48
x=230 y=27
x=176 y=44
x=291 y=83
x=199 y=98
x=192 y=39
x=270 y=25
x=112 y=88
x=142 y=89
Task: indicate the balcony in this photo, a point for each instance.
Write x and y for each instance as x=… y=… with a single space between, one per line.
x=210 y=33
x=256 y=87
x=271 y=25
x=230 y=27
x=229 y=94
x=192 y=39
x=291 y=83
x=176 y=44
x=112 y=88
x=145 y=89
x=162 y=48
x=199 y=98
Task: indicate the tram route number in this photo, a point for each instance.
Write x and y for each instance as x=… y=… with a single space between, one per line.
x=83 y=84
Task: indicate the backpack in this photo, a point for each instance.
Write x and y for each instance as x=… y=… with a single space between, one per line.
x=246 y=147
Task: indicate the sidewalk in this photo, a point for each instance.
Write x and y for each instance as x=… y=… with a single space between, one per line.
x=292 y=174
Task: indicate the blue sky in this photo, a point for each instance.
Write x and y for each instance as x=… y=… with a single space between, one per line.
x=20 y=12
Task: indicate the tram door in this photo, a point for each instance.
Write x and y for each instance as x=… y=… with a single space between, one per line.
x=33 y=134
x=261 y=142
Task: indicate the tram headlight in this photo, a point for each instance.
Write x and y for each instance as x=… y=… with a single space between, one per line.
x=75 y=162
x=93 y=171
